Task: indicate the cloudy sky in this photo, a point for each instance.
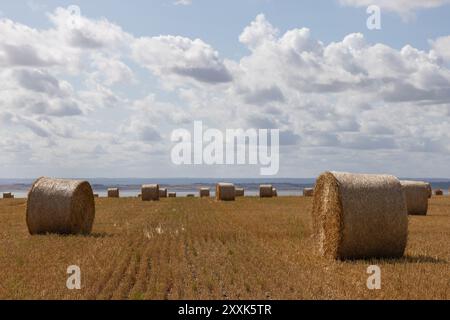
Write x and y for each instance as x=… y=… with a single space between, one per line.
x=99 y=96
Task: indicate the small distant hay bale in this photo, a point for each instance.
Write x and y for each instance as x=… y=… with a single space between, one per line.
x=163 y=192
x=8 y=195
x=416 y=195
x=240 y=192
x=139 y=195
x=172 y=194
x=225 y=192
x=60 y=206
x=150 y=192
x=190 y=195
x=266 y=191
x=96 y=195
x=204 y=192
x=113 y=193
x=359 y=216
x=308 y=192
x=430 y=190
x=438 y=192
x=274 y=192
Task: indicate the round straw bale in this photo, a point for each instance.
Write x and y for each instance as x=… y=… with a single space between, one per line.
x=60 y=206
x=438 y=192
x=308 y=192
x=162 y=192
x=240 y=192
x=96 y=195
x=266 y=191
x=416 y=196
x=204 y=192
x=150 y=192
x=274 y=192
x=190 y=195
x=225 y=192
x=113 y=193
x=359 y=216
x=172 y=194
x=7 y=195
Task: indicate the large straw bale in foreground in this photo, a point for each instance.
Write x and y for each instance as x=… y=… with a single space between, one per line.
x=240 y=192
x=416 y=196
x=204 y=192
x=60 y=206
x=266 y=191
x=150 y=192
x=225 y=192
x=359 y=216
x=113 y=193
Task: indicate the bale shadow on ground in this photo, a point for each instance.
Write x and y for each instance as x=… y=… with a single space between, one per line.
x=406 y=259
x=95 y=235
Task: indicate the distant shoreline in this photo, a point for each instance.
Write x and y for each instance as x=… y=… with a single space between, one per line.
x=184 y=186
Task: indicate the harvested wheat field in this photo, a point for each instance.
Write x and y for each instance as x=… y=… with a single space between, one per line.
x=187 y=248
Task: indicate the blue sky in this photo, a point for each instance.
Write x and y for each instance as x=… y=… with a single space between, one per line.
x=102 y=100
x=220 y=22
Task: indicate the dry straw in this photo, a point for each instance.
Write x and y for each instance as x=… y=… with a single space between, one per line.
x=162 y=192
x=113 y=193
x=416 y=195
x=240 y=192
x=8 y=195
x=172 y=194
x=60 y=206
x=204 y=192
x=225 y=192
x=438 y=192
x=359 y=216
x=308 y=192
x=266 y=191
x=274 y=192
x=150 y=192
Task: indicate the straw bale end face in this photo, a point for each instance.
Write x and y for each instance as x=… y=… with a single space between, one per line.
x=417 y=194
x=113 y=193
x=225 y=192
x=359 y=216
x=204 y=192
x=163 y=192
x=60 y=206
x=240 y=192
x=150 y=192
x=266 y=191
